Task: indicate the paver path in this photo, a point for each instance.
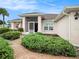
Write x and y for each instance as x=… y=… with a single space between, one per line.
x=23 y=53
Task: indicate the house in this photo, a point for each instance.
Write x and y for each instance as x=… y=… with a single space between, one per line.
x=15 y=23
x=65 y=24
x=38 y=22
x=35 y=22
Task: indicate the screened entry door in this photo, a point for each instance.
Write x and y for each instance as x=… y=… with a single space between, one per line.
x=31 y=26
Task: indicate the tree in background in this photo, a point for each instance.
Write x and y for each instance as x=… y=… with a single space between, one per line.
x=4 y=13
x=1 y=22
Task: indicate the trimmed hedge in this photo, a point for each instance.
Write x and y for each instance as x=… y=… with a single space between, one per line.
x=20 y=29
x=13 y=30
x=11 y=35
x=3 y=30
x=6 y=52
x=39 y=33
x=48 y=44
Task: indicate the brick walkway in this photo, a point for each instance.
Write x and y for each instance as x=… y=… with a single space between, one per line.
x=23 y=53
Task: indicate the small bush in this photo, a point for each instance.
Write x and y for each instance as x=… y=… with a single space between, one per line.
x=13 y=30
x=20 y=29
x=6 y=52
x=11 y=35
x=48 y=44
x=3 y=30
x=39 y=33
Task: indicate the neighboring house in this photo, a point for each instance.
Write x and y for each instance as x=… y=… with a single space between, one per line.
x=16 y=23
x=66 y=24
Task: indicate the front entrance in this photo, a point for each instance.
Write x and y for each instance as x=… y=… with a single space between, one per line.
x=32 y=26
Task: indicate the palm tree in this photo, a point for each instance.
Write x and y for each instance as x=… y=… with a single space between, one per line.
x=4 y=13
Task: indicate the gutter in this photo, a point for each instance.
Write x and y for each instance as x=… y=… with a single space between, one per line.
x=61 y=15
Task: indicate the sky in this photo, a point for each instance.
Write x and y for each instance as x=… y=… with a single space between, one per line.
x=17 y=7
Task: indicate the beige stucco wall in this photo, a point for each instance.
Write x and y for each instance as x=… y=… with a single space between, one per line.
x=39 y=24
x=74 y=30
x=68 y=28
x=62 y=27
x=14 y=24
x=24 y=24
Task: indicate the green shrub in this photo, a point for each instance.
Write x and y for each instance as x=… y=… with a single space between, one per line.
x=6 y=52
x=11 y=35
x=39 y=33
x=13 y=30
x=3 y=30
x=48 y=44
x=20 y=29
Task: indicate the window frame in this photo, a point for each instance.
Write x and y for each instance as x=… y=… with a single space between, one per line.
x=48 y=25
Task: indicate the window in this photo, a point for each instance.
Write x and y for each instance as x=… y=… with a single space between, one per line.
x=45 y=28
x=51 y=28
x=48 y=25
